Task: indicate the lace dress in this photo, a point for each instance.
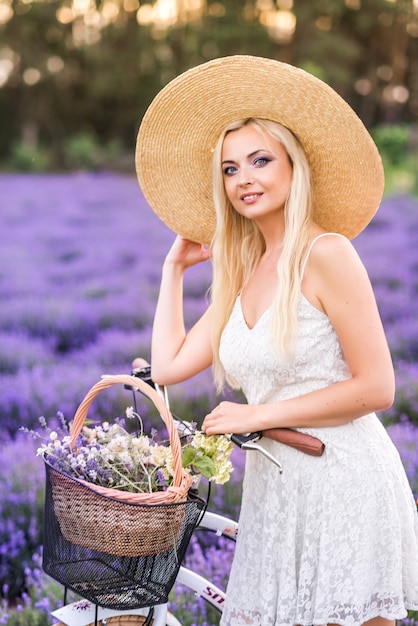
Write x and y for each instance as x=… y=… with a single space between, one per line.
x=334 y=539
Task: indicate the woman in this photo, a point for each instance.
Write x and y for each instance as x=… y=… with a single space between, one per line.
x=294 y=323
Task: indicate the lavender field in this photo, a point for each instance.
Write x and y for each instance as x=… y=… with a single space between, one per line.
x=80 y=259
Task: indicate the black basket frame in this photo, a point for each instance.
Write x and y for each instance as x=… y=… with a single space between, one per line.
x=109 y=580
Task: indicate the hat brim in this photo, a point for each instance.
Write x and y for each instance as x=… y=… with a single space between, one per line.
x=183 y=123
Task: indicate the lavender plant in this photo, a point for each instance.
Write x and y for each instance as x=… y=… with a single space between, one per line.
x=80 y=260
x=21 y=508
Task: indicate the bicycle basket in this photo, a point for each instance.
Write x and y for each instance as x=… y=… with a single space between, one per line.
x=118 y=549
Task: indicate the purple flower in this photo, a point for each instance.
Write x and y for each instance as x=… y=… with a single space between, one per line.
x=84 y=254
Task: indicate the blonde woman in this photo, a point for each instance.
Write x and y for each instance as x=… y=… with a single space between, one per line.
x=292 y=322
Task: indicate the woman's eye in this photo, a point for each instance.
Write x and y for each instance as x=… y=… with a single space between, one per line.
x=261 y=161
x=229 y=170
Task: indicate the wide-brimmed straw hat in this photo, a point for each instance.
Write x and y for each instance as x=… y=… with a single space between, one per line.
x=183 y=123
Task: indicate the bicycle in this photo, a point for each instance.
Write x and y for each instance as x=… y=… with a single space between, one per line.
x=84 y=613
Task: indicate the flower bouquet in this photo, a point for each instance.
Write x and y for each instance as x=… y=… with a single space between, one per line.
x=110 y=456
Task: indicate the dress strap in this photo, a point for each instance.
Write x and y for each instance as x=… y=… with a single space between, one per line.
x=305 y=260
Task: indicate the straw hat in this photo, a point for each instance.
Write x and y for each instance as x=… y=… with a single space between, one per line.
x=182 y=125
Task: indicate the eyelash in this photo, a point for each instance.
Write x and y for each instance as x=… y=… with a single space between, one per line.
x=265 y=159
x=230 y=170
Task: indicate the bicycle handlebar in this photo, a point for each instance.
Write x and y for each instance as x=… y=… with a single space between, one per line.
x=144 y=373
x=245 y=442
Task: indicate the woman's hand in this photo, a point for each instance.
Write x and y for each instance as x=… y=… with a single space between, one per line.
x=186 y=253
x=231 y=417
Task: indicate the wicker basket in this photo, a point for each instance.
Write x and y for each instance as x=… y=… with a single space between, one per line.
x=104 y=524
x=118 y=549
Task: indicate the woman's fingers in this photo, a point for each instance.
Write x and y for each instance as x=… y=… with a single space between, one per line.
x=139 y=362
x=230 y=417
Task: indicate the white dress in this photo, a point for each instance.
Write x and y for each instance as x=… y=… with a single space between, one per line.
x=334 y=539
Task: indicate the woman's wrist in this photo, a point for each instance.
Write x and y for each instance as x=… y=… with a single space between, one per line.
x=173 y=267
x=267 y=416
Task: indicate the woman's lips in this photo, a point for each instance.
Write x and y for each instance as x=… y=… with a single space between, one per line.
x=249 y=198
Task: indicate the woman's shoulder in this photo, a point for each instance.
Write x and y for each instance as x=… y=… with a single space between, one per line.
x=324 y=245
x=332 y=256
x=335 y=266
x=318 y=236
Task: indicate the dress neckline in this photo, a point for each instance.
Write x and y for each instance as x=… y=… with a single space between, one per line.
x=303 y=299
x=250 y=328
x=305 y=260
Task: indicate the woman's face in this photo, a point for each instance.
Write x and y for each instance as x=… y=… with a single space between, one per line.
x=256 y=171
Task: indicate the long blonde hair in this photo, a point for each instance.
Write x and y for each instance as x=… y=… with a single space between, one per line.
x=238 y=245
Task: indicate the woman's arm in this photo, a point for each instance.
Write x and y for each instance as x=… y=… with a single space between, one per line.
x=175 y=354
x=336 y=282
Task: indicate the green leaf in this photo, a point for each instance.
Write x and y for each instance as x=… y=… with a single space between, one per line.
x=187 y=457
x=205 y=466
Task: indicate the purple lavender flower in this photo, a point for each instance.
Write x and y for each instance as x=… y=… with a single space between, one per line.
x=84 y=255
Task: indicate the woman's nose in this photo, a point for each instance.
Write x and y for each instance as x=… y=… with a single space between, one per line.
x=246 y=176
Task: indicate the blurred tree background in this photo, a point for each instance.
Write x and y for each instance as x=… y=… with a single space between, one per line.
x=77 y=75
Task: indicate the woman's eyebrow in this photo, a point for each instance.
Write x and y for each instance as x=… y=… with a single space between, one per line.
x=249 y=155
